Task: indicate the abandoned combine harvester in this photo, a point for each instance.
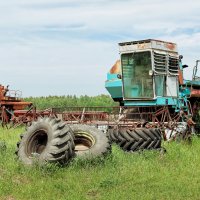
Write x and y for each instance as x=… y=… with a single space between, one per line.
x=148 y=83
x=155 y=102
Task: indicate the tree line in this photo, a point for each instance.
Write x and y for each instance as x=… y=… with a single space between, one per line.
x=71 y=101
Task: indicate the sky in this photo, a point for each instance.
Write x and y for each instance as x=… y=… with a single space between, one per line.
x=66 y=47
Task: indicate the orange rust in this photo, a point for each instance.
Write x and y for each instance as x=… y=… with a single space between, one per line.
x=195 y=93
x=9 y=103
x=190 y=122
x=170 y=46
x=18 y=105
x=116 y=68
x=180 y=77
x=142 y=46
x=3 y=91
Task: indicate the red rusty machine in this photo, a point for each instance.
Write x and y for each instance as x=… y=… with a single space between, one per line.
x=11 y=103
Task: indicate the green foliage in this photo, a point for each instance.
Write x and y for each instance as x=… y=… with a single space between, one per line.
x=147 y=175
x=71 y=101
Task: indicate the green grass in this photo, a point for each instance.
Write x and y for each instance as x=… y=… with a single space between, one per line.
x=147 y=175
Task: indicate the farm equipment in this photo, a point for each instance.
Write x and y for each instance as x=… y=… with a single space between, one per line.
x=155 y=102
x=148 y=83
x=10 y=103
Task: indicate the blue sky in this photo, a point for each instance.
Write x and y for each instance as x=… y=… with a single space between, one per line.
x=61 y=47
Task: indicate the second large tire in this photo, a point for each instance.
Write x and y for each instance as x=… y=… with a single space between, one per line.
x=136 y=139
x=89 y=141
x=46 y=140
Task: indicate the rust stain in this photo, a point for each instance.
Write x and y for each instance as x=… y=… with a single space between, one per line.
x=180 y=76
x=141 y=46
x=116 y=68
x=170 y=46
x=195 y=93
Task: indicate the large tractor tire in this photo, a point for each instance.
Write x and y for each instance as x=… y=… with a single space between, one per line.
x=136 y=139
x=90 y=142
x=46 y=140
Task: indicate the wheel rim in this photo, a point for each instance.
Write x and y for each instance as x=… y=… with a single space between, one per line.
x=37 y=143
x=83 y=141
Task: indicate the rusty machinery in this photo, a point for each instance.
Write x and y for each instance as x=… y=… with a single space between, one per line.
x=10 y=103
x=147 y=82
x=149 y=78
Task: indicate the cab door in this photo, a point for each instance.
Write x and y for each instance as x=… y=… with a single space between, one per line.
x=137 y=83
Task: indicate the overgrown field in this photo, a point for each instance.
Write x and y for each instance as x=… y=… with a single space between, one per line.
x=147 y=175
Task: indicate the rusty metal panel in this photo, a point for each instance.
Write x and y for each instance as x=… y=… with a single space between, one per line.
x=116 y=68
x=165 y=46
x=195 y=93
x=147 y=44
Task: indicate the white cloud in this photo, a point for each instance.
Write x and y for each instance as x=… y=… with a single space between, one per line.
x=66 y=47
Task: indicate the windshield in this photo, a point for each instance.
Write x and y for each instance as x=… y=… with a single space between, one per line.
x=136 y=79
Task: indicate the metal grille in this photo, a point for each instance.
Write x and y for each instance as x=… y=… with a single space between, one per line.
x=173 y=65
x=160 y=64
x=165 y=63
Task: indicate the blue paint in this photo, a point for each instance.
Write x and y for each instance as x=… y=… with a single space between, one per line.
x=114 y=85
